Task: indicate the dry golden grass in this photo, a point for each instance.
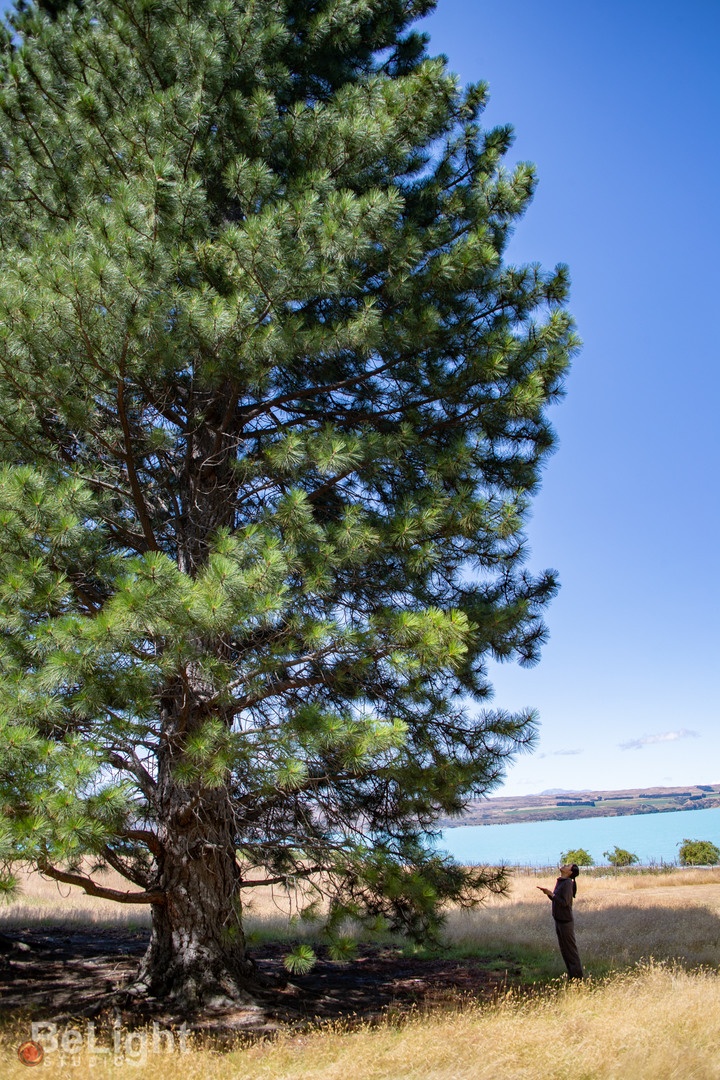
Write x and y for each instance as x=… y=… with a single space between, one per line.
x=651 y=1025
x=645 y=1021
x=656 y=1023
x=41 y=901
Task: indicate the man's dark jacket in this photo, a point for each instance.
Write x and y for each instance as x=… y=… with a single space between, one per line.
x=562 y=900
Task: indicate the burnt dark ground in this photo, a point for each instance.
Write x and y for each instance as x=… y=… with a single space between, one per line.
x=66 y=973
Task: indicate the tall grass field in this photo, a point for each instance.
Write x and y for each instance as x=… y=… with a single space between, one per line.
x=650 y=1007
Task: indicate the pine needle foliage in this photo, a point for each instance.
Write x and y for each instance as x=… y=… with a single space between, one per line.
x=272 y=408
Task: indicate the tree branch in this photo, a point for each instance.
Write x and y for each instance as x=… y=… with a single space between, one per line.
x=92 y=889
x=138 y=770
x=123 y=869
x=143 y=836
x=282 y=879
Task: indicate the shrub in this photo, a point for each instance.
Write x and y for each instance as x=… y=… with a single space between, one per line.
x=579 y=856
x=698 y=853
x=620 y=857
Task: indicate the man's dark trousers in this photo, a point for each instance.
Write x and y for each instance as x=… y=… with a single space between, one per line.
x=568 y=948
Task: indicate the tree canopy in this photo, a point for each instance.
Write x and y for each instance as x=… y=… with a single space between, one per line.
x=272 y=408
x=620 y=857
x=698 y=853
x=579 y=856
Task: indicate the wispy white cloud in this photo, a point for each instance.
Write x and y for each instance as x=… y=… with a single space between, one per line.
x=665 y=736
x=560 y=753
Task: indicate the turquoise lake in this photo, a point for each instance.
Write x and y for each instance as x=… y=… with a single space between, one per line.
x=652 y=837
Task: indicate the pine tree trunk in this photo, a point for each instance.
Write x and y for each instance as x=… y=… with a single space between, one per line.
x=197 y=956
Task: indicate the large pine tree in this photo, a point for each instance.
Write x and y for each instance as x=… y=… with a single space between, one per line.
x=271 y=409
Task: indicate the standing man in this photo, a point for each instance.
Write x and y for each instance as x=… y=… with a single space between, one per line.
x=562 y=910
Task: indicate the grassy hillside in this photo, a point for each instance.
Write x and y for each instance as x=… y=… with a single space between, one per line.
x=567 y=806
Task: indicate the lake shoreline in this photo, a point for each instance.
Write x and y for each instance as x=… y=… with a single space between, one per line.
x=448 y=823
x=653 y=837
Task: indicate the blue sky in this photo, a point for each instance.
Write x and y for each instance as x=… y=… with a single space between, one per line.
x=617 y=105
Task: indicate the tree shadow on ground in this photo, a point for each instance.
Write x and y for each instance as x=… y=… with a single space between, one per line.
x=67 y=973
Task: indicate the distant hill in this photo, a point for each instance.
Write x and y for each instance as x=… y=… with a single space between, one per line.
x=560 y=805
